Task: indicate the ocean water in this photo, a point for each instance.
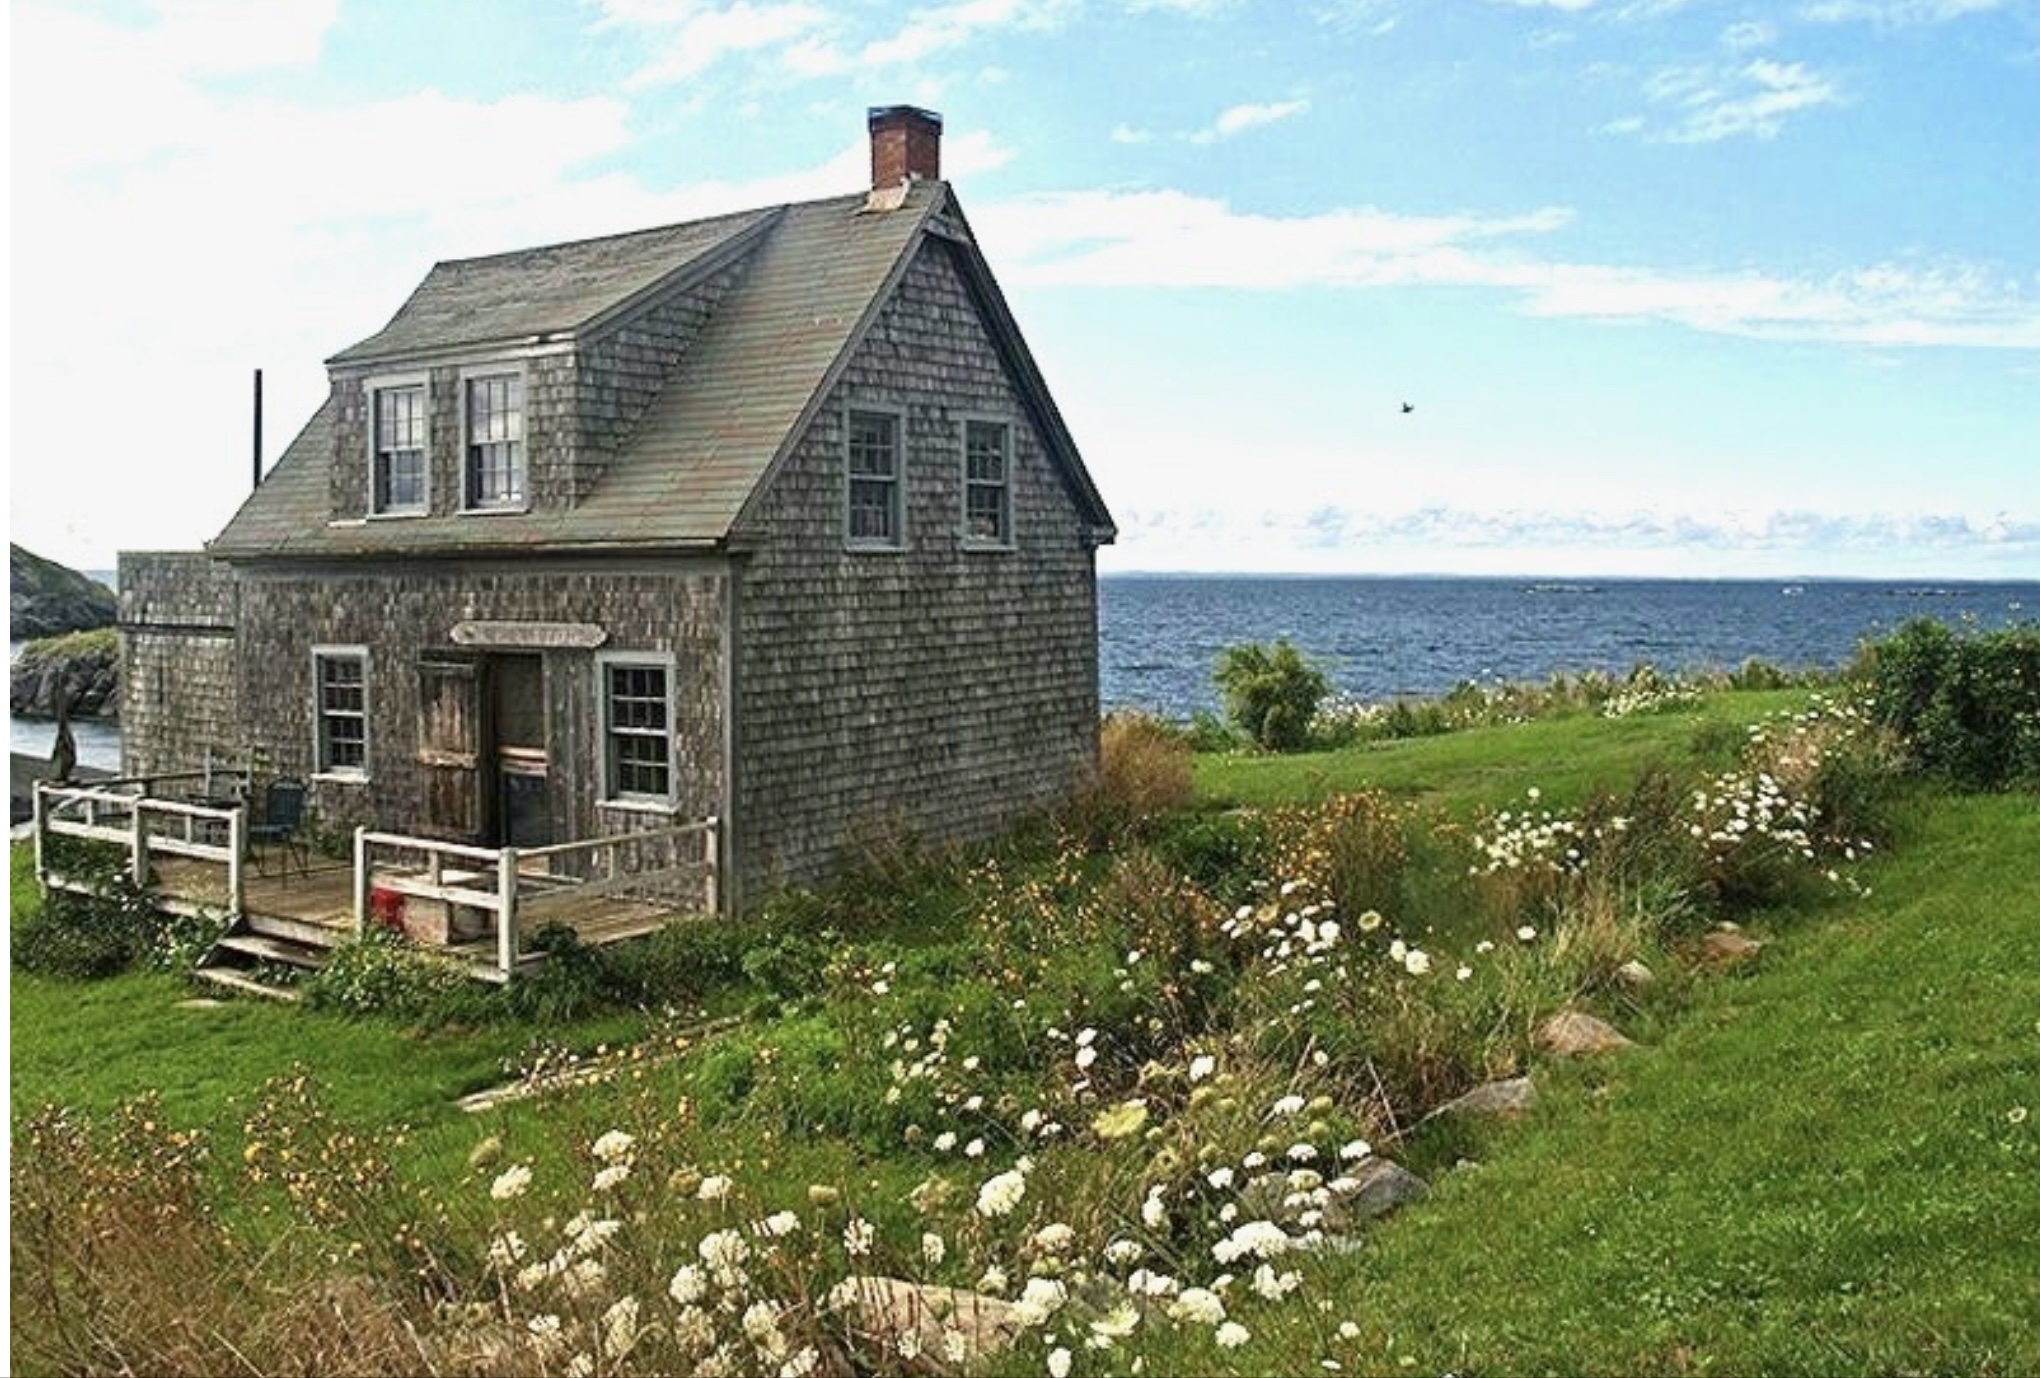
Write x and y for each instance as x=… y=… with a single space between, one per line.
x=1160 y=635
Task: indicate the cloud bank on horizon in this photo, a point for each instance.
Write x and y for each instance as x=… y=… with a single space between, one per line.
x=1670 y=288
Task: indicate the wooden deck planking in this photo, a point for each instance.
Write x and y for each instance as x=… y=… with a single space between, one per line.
x=325 y=898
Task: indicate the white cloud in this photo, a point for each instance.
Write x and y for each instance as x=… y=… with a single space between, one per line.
x=1127 y=134
x=1108 y=239
x=1506 y=539
x=1564 y=6
x=1749 y=33
x=688 y=38
x=1716 y=103
x=1238 y=119
x=1894 y=14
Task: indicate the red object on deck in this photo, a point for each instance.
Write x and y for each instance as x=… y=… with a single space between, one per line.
x=387 y=907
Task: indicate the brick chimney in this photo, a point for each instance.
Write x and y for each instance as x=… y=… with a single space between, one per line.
x=906 y=146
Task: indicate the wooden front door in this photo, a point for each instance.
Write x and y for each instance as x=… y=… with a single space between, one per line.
x=450 y=748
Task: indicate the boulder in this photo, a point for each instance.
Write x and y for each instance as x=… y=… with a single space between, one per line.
x=887 y=1310
x=1574 y=1033
x=46 y=599
x=1510 y=1100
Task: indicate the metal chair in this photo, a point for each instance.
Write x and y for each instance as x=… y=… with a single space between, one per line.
x=283 y=813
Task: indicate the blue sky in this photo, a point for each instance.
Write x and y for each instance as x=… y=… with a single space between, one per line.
x=1701 y=288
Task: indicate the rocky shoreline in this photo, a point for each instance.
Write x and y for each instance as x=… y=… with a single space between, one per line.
x=84 y=667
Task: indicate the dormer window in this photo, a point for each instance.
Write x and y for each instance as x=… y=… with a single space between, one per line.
x=493 y=412
x=398 y=483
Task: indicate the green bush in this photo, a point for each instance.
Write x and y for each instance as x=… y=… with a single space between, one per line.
x=383 y=974
x=1271 y=693
x=87 y=937
x=1967 y=704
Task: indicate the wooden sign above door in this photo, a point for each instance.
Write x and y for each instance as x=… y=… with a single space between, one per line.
x=529 y=636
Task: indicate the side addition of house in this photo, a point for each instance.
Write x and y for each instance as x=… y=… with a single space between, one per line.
x=768 y=518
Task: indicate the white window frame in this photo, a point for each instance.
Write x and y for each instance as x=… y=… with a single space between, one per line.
x=898 y=540
x=373 y=389
x=521 y=440
x=972 y=539
x=323 y=766
x=610 y=794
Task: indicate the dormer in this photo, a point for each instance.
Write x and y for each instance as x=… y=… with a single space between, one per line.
x=507 y=384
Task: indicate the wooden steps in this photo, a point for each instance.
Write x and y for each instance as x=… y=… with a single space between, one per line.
x=254 y=950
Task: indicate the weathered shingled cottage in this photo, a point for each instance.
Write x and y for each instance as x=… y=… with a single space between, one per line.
x=768 y=516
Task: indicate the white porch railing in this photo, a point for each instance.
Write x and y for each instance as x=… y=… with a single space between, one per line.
x=123 y=813
x=519 y=887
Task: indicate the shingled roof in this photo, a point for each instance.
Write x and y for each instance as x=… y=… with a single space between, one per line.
x=818 y=272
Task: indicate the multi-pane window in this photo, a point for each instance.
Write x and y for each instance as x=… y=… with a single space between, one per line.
x=638 y=731
x=876 y=516
x=987 y=482
x=495 y=441
x=340 y=701
x=400 y=422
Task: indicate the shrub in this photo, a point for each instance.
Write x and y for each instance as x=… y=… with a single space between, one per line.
x=382 y=973
x=1271 y=693
x=1143 y=775
x=89 y=936
x=1967 y=705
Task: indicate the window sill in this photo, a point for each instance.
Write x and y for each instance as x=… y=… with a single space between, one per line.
x=497 y=510
x=662 y=808
x=400 y=514
x=873 y=548
x=340 y=777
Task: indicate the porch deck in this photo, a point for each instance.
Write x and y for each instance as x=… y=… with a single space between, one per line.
x=474 y=905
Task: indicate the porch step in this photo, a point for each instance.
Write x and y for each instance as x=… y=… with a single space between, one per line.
x=301 y=932
x=275 y=950
x=242 y=957
x=245 y=984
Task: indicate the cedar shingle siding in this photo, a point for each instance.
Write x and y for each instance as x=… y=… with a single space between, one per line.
x=686 y=399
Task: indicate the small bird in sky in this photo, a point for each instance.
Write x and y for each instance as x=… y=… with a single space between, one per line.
x=1408 y=407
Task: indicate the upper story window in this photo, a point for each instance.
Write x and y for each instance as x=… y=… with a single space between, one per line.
x=988 y=483
x=340 y=710
x=398 y=441
x=877 y=515
x=493 y=406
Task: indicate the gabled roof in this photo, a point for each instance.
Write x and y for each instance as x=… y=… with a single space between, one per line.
x=533 y=293
x=816 y=275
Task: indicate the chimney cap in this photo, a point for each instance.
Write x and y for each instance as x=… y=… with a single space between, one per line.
x=877 y=116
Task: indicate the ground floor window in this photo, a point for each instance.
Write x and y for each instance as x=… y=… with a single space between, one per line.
x=340 y=707
x=637 y=729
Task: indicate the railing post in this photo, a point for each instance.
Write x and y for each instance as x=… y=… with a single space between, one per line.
x=506 y=911
x=711 y=886
x=237 y=865
x=360 y=882
x=138 y=864
x=42 y=826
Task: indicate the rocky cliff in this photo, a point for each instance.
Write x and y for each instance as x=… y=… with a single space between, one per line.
x=83 y=665
x=46 y=599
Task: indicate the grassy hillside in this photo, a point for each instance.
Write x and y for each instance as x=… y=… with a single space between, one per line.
x=1065 y=1063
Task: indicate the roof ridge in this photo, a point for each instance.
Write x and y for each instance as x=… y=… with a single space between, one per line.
x=751 y=213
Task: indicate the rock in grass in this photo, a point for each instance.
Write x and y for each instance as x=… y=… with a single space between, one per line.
x=1574 y=1033
x=886 y=1309
x=1634 y=975
x=1728 y=946
x=1384 y=1186
x=1510 y=1100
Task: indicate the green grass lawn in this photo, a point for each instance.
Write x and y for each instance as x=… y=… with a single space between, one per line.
x=1491 y=766
x=1831 y=1164
x=1827 y=1162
